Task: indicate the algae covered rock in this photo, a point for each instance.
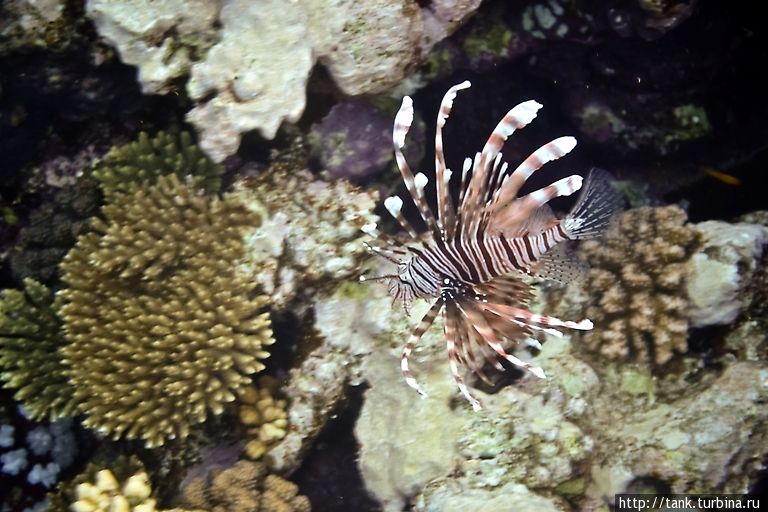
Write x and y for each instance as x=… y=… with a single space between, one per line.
x=160 y=328
x=723 y=269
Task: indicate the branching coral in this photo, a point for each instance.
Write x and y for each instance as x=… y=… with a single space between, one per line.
x=160 y=327
x=244 y=486
x=30 y=337
x=125 y=167
x=264 y=416
x=639 y=305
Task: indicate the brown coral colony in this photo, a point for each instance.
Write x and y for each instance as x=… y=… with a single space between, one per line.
x=154 y=312
x=636 y=282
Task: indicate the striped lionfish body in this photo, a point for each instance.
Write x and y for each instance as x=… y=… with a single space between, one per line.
x=472 y=256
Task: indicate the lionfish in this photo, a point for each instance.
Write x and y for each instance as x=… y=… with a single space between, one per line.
x=472 y=257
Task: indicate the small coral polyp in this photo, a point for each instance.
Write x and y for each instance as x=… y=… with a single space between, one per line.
x=160 y=328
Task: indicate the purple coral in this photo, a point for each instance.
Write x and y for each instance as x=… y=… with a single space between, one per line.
x=350 y=141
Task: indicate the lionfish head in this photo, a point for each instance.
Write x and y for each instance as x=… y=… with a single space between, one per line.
x=400 y=288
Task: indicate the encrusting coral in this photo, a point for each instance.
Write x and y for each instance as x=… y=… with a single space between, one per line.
x=637 y=285
x=30 y=336
x=244 y=486
x=263 y=415
x=310 y=237
x=125 y=167
x=160 y=328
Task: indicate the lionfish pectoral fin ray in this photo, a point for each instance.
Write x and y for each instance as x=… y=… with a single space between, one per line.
x=596 y=206
x=452 y=340
x=485 y=331
x=416 y=335
x=466 y=353
x=559 y=265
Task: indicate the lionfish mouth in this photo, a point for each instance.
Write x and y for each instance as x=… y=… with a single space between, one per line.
x=473 y=256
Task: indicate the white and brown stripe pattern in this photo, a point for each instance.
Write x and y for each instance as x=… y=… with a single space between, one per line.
x=475 y=252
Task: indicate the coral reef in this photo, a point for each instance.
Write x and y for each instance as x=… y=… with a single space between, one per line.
x=367 y=47
x=705 y=441
x=244 y=486
x=124 y=168
x=255 y=73
x=30 y=362
x=255 y=77
x=554 y=444
x=637 y=284
x=160 y=328
x=310 y=237
x=264 y=417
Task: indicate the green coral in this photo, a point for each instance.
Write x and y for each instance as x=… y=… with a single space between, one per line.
x=52 y=26
x=161 y=328
x=143 y=161
x=691 y=122
x=30 y=337
x=51 y=230
x=488 y=37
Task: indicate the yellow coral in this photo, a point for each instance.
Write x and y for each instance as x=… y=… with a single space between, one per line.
x=105 y=493
x=160 y=327
x=30 y=337
x=124 y=168
x=244 y=486
x=636 y=283
x=264 y=416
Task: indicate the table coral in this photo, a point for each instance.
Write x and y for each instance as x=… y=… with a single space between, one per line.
x=637 y=285
x=244 y=486
x=126 y=167
x=160 y=327
x=30 y=337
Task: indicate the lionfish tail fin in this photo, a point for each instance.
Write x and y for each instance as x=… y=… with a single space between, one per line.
x=598 y=203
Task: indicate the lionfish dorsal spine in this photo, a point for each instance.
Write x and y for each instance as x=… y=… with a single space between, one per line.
x=402 y=125
x=445 y=208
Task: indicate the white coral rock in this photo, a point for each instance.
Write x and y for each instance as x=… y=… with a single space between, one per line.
x=720 y=271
